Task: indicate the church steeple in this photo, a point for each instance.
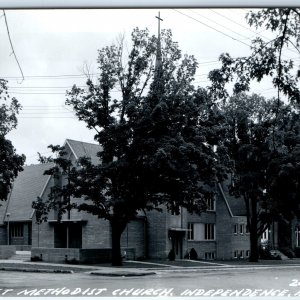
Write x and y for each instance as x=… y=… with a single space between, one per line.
x=158 y=62
x=158 y=73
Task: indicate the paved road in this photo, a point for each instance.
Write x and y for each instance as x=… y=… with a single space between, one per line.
x=270 y=281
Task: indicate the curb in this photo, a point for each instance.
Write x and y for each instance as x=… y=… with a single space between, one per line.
x=36 y=270
x=121 y=273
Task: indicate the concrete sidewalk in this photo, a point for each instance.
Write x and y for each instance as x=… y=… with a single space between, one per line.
x=139 y=268
x=42 y=267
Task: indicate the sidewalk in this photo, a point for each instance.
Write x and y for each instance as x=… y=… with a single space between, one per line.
x=43 y=267
x=139 y=268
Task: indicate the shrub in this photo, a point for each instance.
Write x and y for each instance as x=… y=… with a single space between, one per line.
x=187 y=254
x=193 y=254
x=171 y=255
x=36 y=258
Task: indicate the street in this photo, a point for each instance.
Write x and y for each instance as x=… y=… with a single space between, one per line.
x=269 y=281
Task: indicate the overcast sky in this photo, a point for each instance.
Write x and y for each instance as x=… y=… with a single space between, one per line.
x=53 y=45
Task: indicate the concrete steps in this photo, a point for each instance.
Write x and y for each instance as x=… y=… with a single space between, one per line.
x=278 y=253
x=22 y=256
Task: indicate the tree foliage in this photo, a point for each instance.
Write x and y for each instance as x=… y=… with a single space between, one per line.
x=264 y=135
x=10 y=162
x=59 y=198
x=269 y=58
x=159 y=137
x=263 y=141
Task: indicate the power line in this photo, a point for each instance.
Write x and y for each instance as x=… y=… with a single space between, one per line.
x=45 y=93
x=218 y=13
x=222 y=25
x=64 y=76
x=224 y=32
x=50 y=76
x=256 y=33
x=36 y=93
x=44 y=87
x=11 y=45
x=213 y=28
x=46 y=117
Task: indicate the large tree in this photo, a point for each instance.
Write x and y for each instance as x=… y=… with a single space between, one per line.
x=259 y=144
x=10 y=162
x=263 y=141
x=160 y=137
x=272 y=58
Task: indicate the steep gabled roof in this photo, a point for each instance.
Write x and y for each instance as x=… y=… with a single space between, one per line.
x=29 y=184
x=235 y=205
x=81 y=149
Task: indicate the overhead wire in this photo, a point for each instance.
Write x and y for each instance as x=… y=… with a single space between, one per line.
x=11 y=45
x=247 y=28
x=238 y=40
x=245 y=37
x=211 y=27
x=64 y=76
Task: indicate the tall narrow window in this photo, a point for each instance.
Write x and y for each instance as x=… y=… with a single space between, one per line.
x=16 y=230
x=201 y=231
x=191 y=231
x=211 y=203
x=235 y=228
x=265 y=235
x=209 y=232
x=241 y=228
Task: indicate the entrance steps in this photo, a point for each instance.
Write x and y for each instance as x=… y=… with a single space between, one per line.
x=277 y=253
x=22 y=256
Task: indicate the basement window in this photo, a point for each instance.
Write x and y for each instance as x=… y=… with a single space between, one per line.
x=209 y=255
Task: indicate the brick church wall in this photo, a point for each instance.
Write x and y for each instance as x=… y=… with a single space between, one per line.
x=224 y=230
x=133 y=237
x=157 y=234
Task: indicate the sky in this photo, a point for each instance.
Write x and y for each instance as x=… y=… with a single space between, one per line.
x=52 y=46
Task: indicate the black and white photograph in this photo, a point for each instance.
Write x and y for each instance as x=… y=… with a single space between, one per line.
x=150 y=152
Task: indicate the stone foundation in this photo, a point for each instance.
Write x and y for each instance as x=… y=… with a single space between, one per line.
x=74 y=255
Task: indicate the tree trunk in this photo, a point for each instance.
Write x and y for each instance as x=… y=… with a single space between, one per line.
x=253 y=232
x=253 y=245
x=117 y=227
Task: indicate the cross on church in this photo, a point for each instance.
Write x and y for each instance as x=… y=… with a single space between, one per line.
x=159 y=19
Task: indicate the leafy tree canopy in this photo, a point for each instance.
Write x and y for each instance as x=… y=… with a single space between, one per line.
x=10 y=162
x=161 y=137
x=263 y=141
x=269 y=58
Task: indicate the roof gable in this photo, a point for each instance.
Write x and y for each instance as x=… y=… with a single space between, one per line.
x=236 y=205
x=29 y=184
x=81 y=149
